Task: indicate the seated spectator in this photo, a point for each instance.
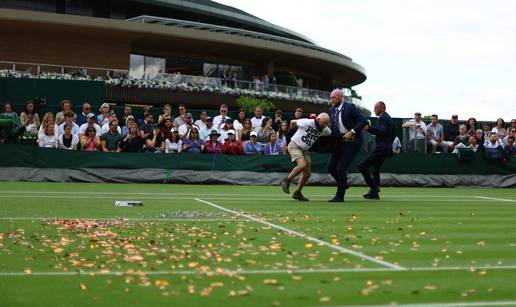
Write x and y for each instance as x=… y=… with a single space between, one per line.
x=129 y=121
x=499 y=128
x=193 y=143
x=81 y=118
x=272 y=147
x=89 y=124
x=70 y=121
x=472 y=144
x=47 y=118
x=417 y=132
x=201 y=122
x=245 y=132
x=232 y=146
x=14 y=129
x=510 y=148
x=282 y=135
x=278 y=120
x=66 y=106
x=238 y=123
x=265 y=130
x=49 y=138
x=147 y=128
x=512 y=132
x=181 y=118
x=213 y=145
x=205 y=133
x=435 y=135
x=225 y=129
x=220 y=119
x=493 y=149
x=471 y=125
x=110 y=141
x=68 y=140
x=132 y=142
x=105 y=128
x=173 y=144
x=479 y=139
x=128 y=111
x=90 y=141
x=257 y=120
x=154 y=143
x=451 y=130
x=396 y=146
x=253 y=147
x=513 y=123
x=486 y=129
x=140 y=122
x=167 y=113
x=29 y=118
x=103 y=117
x=184 y=129
x=463 y=137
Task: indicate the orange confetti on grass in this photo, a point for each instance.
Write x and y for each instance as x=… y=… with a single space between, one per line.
x=28 y=271
x=83 y=286
x=270 y=281
x=309 y=245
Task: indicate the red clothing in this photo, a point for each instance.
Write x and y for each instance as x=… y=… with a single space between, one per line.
x=235 y=148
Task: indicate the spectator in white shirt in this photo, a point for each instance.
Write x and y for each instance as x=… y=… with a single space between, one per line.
x=417 y=132
x=173 y=144
x=89 y=123
x=185 y=128
x=106 y=128
x=238 y=123
x=204 y=134
x=49 y=137
x=69 y=119
x=68 y=140
x=201 y=122
x=256 y=121
x=220 y=120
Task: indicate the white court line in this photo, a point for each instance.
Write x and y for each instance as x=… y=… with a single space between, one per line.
x=277 y=197
x=496 y=199
x=123 y=219
x=216 y=194
x=262 y=271
x=307 y=237
x=457 y=304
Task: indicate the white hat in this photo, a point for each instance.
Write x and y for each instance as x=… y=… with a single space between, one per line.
x=231 y=131
x=90 y=115
x=253 y=133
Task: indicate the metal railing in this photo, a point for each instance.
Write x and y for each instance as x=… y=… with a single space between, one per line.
x=79 y=71
x=414 y=141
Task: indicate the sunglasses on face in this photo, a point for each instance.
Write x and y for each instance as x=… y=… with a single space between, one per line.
x=223 y=111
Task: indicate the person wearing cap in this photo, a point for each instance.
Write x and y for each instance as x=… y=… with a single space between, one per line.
x=232 y=146
x=173 y=143
x=89 y=123
x=308 y=132
x=220 y=119
x=451 y=130
x=103 y=117
x=69 y=119
x=213 y=145
x=417 y=132
x=205 y=133
x=346 y=124
x=228 y=125
x=385 y=134
x=201 y=122
x=129 y=120
x=253 y=147
x=185 y=128
x=192 y=143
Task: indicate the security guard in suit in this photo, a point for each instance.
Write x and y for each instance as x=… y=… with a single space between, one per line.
x=384 y=131
x=346 y=124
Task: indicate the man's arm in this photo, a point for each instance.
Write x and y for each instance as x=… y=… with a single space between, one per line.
x=293 y=124
x=380 y=128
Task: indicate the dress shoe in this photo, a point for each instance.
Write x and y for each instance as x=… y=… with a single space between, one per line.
x=336 y=199
x=372 y=194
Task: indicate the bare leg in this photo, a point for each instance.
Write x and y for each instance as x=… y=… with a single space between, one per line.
x=301 y=166
x=304 y=179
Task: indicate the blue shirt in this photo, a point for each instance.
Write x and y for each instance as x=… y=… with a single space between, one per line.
x=270 y=149
x=253 y=149
x=195 y=147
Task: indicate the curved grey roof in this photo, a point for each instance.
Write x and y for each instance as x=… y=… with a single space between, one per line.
x=224 y=11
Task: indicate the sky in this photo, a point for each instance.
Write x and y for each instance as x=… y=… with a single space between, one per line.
x=436 y=57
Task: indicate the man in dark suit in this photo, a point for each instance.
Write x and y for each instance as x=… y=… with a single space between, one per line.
x=346 y=124
x=384 y=131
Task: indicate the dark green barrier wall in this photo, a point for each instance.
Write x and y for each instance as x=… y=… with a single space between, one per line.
x=29 y=156
x=18 y=91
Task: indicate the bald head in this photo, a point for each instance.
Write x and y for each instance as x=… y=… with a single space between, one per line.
x=336 y=97
x=323 y=119
x=379 y=108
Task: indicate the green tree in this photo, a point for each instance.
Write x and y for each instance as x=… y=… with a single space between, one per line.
x=249 y=104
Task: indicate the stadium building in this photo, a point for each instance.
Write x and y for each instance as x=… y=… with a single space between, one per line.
x=149 y=38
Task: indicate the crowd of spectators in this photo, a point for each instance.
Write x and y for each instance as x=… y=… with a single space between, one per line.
x=496 y=142
x=108 y=131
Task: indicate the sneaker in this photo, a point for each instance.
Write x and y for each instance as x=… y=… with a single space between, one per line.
x=285 y=185
x=299 y=196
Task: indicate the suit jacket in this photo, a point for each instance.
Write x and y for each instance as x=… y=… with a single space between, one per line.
x=385 y=135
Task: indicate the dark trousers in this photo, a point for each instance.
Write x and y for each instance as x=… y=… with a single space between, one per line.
x=340 y=160
x=373 y=162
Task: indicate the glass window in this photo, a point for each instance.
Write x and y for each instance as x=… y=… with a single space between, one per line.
x=154 y=67
x=137 y=63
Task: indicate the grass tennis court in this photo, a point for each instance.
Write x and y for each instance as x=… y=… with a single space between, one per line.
x=64 y=244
